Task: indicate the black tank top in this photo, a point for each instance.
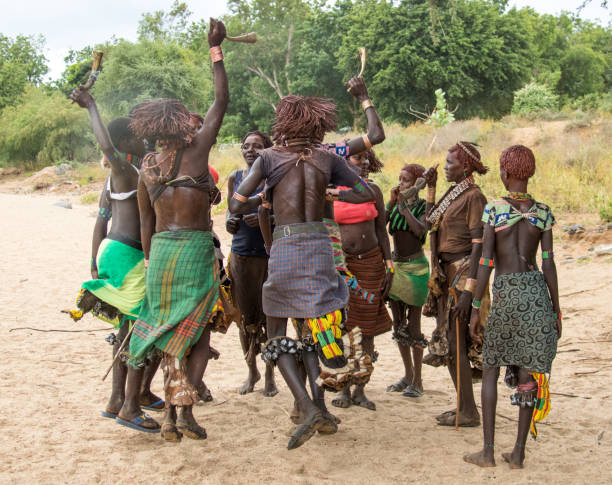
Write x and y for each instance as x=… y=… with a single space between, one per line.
x=248 y=241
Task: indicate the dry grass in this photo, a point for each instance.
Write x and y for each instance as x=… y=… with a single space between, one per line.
x=573 y=157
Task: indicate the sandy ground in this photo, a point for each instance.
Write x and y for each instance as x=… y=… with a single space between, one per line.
x=51 y=392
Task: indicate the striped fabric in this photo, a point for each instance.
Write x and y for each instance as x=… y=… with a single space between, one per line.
x=542 y=403
x=371 y=317
x=182 y=287
x=327 y=333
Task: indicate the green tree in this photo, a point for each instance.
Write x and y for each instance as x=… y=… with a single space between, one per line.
x=534 y=98
x=582 y=72
x=21 y=62
x=78 y=68
x=43 y=129
x=136 y=72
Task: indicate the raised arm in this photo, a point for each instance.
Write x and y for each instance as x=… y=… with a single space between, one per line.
x=376 y=134
x=100 y=231
x=238 y=203
x=206 y=137
x=549 y=269
x=85 y=100
x=147 y=218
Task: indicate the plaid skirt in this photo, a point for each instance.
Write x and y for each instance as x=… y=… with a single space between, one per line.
x=302 y=279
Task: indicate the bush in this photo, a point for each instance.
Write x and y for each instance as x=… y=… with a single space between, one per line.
x=534 y=98
x=43 y=129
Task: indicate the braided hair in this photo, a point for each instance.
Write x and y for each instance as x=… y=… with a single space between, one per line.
x=469 y=156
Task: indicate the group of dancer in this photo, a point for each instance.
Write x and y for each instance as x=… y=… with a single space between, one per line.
x=310 y=243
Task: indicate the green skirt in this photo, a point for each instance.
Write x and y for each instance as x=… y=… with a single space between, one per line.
x=121 y=278
x=410 y=282
x=182 y=287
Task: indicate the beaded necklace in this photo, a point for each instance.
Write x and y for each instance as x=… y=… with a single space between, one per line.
x=436 y=215
x=519 y=196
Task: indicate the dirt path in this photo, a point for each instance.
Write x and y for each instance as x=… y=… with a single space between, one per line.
x=51 y=392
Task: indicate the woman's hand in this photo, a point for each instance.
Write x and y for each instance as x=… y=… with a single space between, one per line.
x=216 y=32
x=475 y=326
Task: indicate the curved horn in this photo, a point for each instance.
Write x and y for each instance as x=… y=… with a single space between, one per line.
x=363 y=54
x=249 y=38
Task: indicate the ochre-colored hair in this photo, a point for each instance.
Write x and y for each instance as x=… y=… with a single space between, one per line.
x=471 y=163
x=162 y=119
x=267 y=141
x=518 y=161
x=304 y=117
x=414 y=169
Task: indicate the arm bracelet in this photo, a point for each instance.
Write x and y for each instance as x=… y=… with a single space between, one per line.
x=216 y=53
x=366 y=103
x=476 y=304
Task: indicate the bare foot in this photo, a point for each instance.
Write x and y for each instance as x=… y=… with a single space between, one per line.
x=295 y=415
x=480 y=458
x=313 y=420
x=329 y=425
x=114 y=404
x=270 y=389
x=465 y=421
x=344 y=398
x=187 y=425
x=514 y=459
x=249 y=384
x=399 y=386
x=204 y=393
x=170 y=432
x=360 y=399
x=445 y=414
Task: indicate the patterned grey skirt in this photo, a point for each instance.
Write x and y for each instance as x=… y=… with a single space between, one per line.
x=521 y=328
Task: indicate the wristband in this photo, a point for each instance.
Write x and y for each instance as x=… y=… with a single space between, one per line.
x=547 y=255
x=216 y=53
x=146 y=263
x=476 y=304
x=367 y=142
x=366 y=103
x=476 y=241
x=93 y=263
x=240 y=198
x=487 y=262
x=558 y=316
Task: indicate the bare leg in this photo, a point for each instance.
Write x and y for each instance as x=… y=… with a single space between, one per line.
x=398 y=309
x=147 y=398
x=517 y=457
x=311 y=364
x=414 y=325
x=287 y=364
x=254 y=375
x=358 y=397
x=119 y=375
x=196 y=365
x=467 y=406
x=486 y=457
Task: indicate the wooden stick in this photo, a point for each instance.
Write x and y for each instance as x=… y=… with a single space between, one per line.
x=453 y=293
x=249 y=38
x=123 y=344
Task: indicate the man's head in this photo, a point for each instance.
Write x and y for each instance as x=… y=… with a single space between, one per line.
x=304 y=117
x=516 y=162
x=122 y=137
x=165 y=120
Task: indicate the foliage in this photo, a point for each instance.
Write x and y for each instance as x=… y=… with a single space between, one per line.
x=78 y=68
x=21 y=62
x=582 y=72
x=43 y=129
x=534 y=98
x=440 y=116
x=135 y=72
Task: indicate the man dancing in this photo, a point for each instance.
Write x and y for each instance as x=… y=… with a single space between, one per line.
x=182 y=281
x=248 y=269
x=302 y=281
x=117 y=264
x=525 y=319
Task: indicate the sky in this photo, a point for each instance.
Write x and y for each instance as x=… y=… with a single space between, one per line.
x=72 y=24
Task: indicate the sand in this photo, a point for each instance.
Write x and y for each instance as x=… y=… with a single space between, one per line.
x=51 y=391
